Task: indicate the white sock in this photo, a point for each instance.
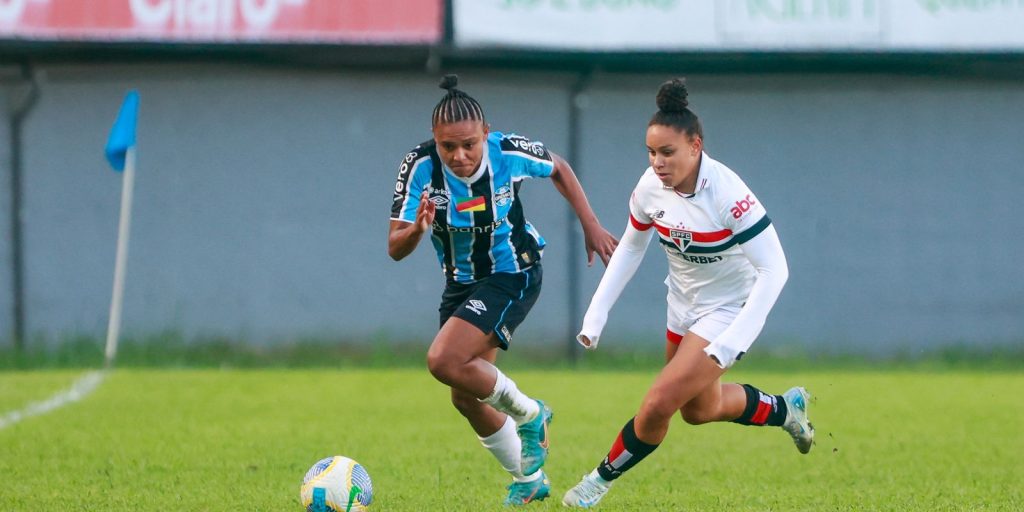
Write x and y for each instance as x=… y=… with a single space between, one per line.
x=506 y=446
x=507 y=398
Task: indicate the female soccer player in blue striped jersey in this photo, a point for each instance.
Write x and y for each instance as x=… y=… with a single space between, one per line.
x=462 y=187
x=726 y=269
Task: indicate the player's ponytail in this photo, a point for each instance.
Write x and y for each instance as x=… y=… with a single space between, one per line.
x=674 y=111
x=456 y=105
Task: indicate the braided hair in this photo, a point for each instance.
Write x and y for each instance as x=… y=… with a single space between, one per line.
x=673 y=109
x=456 y=105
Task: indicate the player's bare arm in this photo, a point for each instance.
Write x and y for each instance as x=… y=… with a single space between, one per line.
x=403 y=237
x=597 y=239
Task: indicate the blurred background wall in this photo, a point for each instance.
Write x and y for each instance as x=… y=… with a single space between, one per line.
x=891 y=167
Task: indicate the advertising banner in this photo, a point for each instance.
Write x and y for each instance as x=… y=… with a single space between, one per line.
x=327 y=21
x=742 y=25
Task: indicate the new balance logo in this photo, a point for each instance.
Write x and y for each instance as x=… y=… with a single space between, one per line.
x=743 y=206
x=476 y=306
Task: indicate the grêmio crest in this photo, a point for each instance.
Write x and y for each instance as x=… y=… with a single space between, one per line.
x=681 y=238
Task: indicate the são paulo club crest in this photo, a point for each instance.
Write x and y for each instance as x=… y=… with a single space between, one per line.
x=681 y=238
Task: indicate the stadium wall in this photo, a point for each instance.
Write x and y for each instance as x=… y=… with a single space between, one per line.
x=263 y=192
x=6 y=250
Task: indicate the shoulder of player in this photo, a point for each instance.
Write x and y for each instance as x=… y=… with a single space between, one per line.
x=648 y=182
x=422 y=150
x=647 y=187
x=722 y=172
x=512 y=144
x=419 y=157
x=732 y=197
x=725 y=184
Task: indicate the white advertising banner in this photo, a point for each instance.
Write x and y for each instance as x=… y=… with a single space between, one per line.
x=743 y=25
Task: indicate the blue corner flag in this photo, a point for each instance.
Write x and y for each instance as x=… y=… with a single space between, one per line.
x=122 y=135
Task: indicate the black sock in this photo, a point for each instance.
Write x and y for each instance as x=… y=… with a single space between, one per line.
x=762 y=409
x=625 y=453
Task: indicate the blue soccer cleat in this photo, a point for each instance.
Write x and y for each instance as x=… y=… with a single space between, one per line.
x=522 y=493
x=534 y=435
x=797 y=424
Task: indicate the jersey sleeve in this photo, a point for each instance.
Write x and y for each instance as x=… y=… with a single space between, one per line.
x=623 y=265
x=769 y=261
x=525 y=158
x=413 y=178
x=741 y=211
x=638 y=218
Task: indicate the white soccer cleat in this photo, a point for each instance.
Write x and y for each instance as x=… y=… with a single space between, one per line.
x=796 y=423
x=586 y=494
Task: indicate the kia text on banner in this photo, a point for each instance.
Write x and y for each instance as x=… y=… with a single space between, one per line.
x=741 y=25
x=348 y=21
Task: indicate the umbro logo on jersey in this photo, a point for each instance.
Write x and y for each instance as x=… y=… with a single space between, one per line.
x=742 y=207
x=440 y=202
x=681 y=238
x=476 y=306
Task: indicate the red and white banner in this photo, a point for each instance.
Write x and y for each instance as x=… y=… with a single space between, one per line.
x=228 y=21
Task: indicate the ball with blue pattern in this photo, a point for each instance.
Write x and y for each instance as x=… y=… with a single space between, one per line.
x=336 y=484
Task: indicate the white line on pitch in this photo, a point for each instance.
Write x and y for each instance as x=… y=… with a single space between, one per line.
x=79 y=390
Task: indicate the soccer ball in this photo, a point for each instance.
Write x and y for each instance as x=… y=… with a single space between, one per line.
x=336 y=484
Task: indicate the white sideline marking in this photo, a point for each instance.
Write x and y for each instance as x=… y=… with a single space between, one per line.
x=79 y=390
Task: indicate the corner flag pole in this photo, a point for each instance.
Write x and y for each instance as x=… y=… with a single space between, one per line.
x=120 y=152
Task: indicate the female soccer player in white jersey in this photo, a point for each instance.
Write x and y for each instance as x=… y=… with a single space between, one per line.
x=462 y=187
x=726 y=269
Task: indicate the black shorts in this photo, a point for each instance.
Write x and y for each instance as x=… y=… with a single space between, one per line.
x=497 y=303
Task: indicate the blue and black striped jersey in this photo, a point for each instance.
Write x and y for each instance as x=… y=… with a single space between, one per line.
x=479 y=228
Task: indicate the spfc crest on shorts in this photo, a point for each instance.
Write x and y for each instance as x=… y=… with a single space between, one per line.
x=681 y=238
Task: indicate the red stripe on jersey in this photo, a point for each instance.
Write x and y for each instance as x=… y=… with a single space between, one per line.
x=709 y=237
x=761 y=415
x=673 y=338
x=640 y=226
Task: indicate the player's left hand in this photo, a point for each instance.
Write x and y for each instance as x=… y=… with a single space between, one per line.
x=588 y=342
x=600 y=241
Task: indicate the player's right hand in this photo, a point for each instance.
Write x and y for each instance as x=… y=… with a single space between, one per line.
x=425 y=213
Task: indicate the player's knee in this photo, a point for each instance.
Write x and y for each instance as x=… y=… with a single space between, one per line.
x=697 y=416
x=466 y=404
x=658 y=406
x=440 y=365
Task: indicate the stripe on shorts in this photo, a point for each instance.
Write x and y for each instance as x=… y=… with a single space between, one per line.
x=672 y=337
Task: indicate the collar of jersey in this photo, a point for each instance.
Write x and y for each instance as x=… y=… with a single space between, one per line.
x=702 y=177
x=485 y=162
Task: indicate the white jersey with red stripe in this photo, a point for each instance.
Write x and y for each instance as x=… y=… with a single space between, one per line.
x=701 y=234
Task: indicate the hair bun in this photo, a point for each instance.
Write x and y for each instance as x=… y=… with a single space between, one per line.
x=672 y=96
x=448 y=82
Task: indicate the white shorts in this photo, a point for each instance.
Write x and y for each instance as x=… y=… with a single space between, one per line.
x=707 y=324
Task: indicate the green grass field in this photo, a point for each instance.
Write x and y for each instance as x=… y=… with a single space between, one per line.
x=242 y=440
